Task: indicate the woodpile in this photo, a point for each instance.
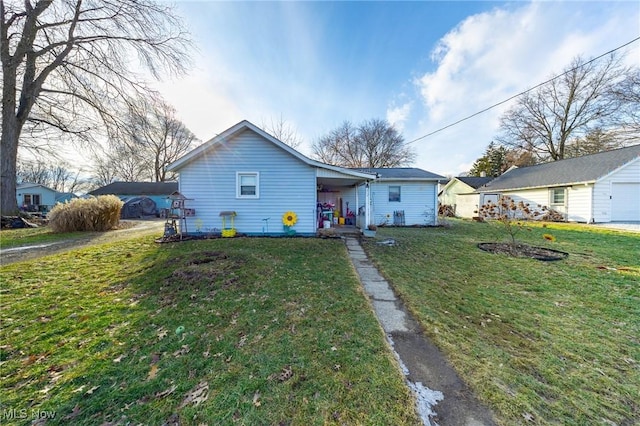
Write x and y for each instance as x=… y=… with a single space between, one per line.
x=16 y=222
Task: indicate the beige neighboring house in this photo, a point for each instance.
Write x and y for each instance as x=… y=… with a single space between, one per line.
x=460 y=193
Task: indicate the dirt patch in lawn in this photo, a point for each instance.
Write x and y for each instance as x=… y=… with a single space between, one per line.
x=524 y=250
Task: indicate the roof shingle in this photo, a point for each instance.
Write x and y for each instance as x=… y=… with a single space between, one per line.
x=400 y=173
x=137 y=188
x=587 y=168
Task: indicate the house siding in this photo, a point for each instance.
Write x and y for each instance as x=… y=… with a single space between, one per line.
x=285 y=184
x=579 y=203
x=47 y=196
x=417 y=199
x=602 y=202
x=449 y=196
x=533 y=197
x=462 y=198
x=467 y=205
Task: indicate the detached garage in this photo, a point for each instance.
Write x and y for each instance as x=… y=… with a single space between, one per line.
x=625 y=201
x=596 y=188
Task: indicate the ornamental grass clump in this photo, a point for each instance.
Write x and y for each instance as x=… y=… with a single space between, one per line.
x=86 y=214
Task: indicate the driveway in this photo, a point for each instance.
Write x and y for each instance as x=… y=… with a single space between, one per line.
x=621 y=226
x=138 y=229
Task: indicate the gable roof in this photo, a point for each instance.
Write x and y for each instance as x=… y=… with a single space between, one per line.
x=396 y=173
x=475 y=181
x=585 y=169
x=246 y=125
x=27 y=185
x=137 y=188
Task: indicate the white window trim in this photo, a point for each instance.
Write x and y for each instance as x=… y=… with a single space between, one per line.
x=257 y=176
x=399 y=194
x=551 y=198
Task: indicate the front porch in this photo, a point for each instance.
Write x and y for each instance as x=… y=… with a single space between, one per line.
x=342 y=200
x=339 y=231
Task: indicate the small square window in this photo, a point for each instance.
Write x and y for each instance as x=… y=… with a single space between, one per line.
x=557 y=196
x=394 y=193
x=247 y=185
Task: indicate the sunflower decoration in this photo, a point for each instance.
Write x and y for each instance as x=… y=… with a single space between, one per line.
x=289 y=218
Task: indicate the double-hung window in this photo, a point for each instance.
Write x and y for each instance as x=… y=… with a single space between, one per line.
x=247 y=185
x=394 y=193
x=557 y=196
x=31 y=199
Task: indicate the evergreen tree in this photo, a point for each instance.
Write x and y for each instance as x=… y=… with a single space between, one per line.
x=492 y=163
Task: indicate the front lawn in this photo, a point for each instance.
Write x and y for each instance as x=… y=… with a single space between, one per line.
x=237 y=331
x=540 y=342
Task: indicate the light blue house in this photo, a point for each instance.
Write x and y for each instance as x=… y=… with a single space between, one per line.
x=35 y=197
x=249 y=172
x=157 y=191
x=403 y=196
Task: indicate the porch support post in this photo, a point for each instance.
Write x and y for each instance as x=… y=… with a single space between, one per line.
x=435 y=203
x=357 y=211
x=367 y=205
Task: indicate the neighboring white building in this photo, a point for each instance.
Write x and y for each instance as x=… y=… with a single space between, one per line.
x=248 y=171
x=461 y=195
x=602 y=187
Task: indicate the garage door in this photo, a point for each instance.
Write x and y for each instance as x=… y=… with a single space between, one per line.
x=625 y=201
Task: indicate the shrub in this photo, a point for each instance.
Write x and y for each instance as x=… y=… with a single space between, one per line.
x=446 y=210
x=509 y=214
x=86 y=214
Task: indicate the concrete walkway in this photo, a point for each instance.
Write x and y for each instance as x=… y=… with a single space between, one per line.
x=442 y=398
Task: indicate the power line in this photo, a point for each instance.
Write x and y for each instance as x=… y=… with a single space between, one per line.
x=523 y=92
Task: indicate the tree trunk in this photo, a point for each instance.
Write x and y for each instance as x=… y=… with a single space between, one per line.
x=11 y=128
x=9 y=144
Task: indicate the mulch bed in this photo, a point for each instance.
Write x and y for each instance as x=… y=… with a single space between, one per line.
x=524 y=250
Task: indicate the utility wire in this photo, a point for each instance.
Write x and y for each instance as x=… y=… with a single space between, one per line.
x=523 y=92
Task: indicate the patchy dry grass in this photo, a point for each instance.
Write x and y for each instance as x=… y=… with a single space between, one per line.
x=233 y=331
x=540 y=342
x=31 y=236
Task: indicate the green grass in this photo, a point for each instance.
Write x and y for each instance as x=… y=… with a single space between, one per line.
x=540 y=342
x=227 y=331
x=32 y=236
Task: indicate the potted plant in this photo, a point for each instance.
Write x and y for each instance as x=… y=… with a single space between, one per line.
x=370 y=231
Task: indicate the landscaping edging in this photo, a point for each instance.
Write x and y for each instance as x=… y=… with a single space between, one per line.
x=524 y=250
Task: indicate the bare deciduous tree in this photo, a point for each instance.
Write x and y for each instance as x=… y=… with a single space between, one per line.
x=66 y=67
x=547 y=120
x=120 y=162
x=154 y=132
x=57 y=176
x=628 y=93
x=374 y=143
x=283 y=131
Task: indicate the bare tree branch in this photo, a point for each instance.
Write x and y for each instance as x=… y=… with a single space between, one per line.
x=566 y=110
x=63 y=58
x=372 y=144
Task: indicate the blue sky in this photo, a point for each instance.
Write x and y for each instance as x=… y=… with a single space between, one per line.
x=420 y=65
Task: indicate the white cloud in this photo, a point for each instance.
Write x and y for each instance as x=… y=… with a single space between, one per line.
x=494 y=55
x=398 y=115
